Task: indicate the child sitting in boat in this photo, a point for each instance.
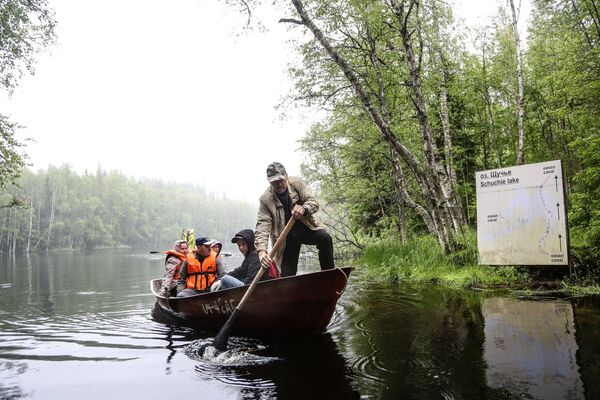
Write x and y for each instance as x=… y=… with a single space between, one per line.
x=245 y=273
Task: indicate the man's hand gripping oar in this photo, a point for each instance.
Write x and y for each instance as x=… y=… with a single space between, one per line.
x=220 y=342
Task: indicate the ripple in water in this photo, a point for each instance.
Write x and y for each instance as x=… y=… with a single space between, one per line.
x=367 y=368
x=114 y=336
x=232 y=367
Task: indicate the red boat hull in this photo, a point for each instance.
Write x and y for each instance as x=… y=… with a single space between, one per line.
x=295 y=305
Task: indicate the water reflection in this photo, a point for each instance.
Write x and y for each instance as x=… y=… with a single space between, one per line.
x=46 y=286
x=530 y=348
x=440 y=343
x=587 y=332
x=172 y=351
x=414 y=343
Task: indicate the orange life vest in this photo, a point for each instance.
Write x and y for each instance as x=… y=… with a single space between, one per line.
x=181 y=257
x=201 y=276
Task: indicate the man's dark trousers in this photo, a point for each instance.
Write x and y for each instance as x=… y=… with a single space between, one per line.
x=299 y=235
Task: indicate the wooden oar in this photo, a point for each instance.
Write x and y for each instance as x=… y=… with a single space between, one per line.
x=220 y=342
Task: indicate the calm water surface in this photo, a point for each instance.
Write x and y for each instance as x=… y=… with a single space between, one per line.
x=82 y=326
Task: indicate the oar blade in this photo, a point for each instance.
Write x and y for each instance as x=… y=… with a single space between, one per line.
x=220 y=342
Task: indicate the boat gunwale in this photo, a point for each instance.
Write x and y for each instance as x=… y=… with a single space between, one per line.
x=269 y=281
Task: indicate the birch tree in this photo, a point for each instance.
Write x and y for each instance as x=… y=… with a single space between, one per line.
x=402 y=21
x=520 y=96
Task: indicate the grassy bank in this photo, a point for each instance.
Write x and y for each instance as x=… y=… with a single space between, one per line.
x=421 y=261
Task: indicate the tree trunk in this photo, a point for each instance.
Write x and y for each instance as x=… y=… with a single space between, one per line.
x=520 y=96
x=427 y=177
x=400 y=184
x=582 y=24
x=15 y=236
x=442 y=197
x=8 y=231
x=4 y=228
x=13 y=242
x=399 y=181
x=595 y=14
x=51 y=220
x=489 y=113
x=430 y=222
x=27 y=249
x=451 y=184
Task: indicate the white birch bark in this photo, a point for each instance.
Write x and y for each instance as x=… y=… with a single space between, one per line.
x=520 y=96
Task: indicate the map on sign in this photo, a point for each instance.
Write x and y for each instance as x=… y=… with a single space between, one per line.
x=521 y=215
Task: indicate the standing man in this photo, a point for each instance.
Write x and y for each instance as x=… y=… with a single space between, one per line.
x=289 y=197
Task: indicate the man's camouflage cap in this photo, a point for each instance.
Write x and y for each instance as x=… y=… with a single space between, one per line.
x=276 y=172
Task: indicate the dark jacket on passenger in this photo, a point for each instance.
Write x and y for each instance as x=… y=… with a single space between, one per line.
x=251 y=264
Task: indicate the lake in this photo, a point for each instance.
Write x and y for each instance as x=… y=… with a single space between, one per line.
x=81 y=326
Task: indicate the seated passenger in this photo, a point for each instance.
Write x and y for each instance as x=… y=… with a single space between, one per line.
x=216 y=246
x=245 y=273
x=199 y=270
x=173 y=262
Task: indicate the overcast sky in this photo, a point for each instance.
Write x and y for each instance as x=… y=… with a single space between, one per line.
x=168 y=90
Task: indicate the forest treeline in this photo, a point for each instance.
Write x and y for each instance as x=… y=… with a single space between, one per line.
x=60 y=209
x=417 y=103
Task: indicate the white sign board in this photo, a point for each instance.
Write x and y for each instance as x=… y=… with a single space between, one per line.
x=521 y=215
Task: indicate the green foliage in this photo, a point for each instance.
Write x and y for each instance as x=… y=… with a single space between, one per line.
x=72 y=211
x=26 y=27
x=11 y=160
x=352 y=164
x=581 y=289
x=564 y=97
x=394 y=261
x=349 y=160
x=421 y=261
x=584 y=214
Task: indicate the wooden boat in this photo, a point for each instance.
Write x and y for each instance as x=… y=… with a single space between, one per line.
x=295 y=305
